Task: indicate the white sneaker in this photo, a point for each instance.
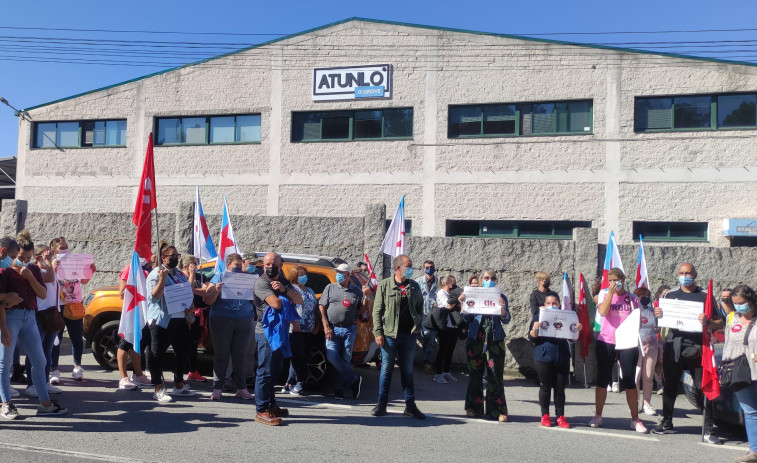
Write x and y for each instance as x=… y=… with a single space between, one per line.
x=53 y=389
x=448 y=376
x=161 y=396
x=78 y=373
x=440 y=379
x=142 y=380
x=615 y=387
x=648 y=410
x=55 y=377
x=31 y=391
x=609 y=388
x=183 y=392
x=596 y=421
x=14 y=392
x=126 y=384
x=296 y=389
x=638 y=426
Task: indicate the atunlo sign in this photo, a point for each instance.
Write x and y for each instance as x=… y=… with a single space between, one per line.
x=352 y=82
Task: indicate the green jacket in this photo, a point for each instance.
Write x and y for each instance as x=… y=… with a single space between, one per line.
x=386 y=307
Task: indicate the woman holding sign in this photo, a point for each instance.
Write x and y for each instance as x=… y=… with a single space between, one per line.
x=485 y=349
x=231 y=330
x=616 y=305
x=552 y=364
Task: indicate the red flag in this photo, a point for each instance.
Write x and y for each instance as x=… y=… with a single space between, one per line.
x=146 y=202
x=710 y=383
x=371 y=274
x=584 y=337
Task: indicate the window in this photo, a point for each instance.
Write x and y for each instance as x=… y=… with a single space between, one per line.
x=670 y=231
x=408 y=226
x=524 y=229
x=205 y=130
x=499 y=120
x=79 y=134
x=699 y=112
x=374 y=124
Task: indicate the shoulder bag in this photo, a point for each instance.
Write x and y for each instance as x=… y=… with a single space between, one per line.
x=735 y=373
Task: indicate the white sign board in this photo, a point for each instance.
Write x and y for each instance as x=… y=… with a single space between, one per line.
x=238 y=286
x=74 y=266
x=555 y=323
x=680 y=315
x=627 y=333
x=481 y=301
x=178 y=297
x=352 y=82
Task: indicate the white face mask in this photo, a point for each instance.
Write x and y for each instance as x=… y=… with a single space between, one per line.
x=64 y=251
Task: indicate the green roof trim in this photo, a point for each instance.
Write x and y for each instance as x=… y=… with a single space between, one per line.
x=397 y=23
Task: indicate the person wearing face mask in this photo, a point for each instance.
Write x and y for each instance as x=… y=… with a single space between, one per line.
x=8 y=251
x=301 y=334
x=188 y=265
x=397 y=318
x=683 y=351
x=450 y=319
x=539 y=295
x=166 y=329
x=725 y=305
x=231 y=329
x=340 y=306
x=485 y=351
x=428 y=283
x=125 y=348
x=650 y=347
x=268 y=288
x=739 y=327
x=552 y=364
x=615 y=305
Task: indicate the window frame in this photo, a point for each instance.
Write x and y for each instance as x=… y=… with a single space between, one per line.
x=351 y=129
x=80 y=135
x=207 y=117
x=668 y=238
x=516 y=225
x=714 y=126
x=519 y=119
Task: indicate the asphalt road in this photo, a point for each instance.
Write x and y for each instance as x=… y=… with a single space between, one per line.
x=107 y=424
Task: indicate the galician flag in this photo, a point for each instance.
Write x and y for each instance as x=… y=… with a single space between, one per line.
x=642 y=277
x=135 y=304
x=566 y=301
x=203 y=245
x=612 y=260
x=227 y=244
x=394 y=240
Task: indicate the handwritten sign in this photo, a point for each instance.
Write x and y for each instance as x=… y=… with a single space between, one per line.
x=178 y=297
x=481 y=301
x=75 y=266
x=681 y=315
x=238 y=286
x=555 y=323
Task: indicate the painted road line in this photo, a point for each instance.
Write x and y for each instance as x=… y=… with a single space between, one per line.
x=603 y=434
x=91 y=456
x=316 y=404
x=727 y=446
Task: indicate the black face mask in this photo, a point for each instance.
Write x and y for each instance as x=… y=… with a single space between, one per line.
x=172 y=262
x=645 y=300
x=546 y=284
x=272 y=272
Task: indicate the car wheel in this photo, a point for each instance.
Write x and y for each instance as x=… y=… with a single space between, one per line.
x=105 y=345
x=318 y=369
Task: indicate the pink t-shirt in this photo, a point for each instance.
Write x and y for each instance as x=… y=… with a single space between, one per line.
x=620 y=309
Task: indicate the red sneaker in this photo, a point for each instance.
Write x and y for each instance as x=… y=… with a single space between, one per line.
x=196 y=376
x=545 y=421
x=562 y=422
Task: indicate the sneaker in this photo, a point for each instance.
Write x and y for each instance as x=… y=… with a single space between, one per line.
x=296 y=389
x=55 y=377
x=638 y=426
x=596 y=421
x=440 y=379
x=183 y=391
x=545 y=421
x=660 y=391
x=285 y=389
x=31 y=391
x=648 y=410
x=711 y=438
x=52 y=409
x=8 y=411
x=14 y=392
x=161 y=396
x=78 y=373
x=562 y=422
x=615 y=387
x=196 y=376
x=749 y=457
x=338 y=395
x=448 y=376
x=355 y=386
x=665 y=427
x=125 y=383
x=609 y=388
x=141 y=380
x=243 y=394
x=216 y=394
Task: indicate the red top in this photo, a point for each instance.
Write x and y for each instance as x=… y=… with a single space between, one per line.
x=124 y=275
x=12 y=282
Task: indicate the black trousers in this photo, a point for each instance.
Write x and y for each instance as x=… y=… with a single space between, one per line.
x=552 y=378
x=176 y=334
x=447 y=341
x=672 y=372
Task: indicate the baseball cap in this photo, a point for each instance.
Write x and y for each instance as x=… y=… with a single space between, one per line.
x=345 y=268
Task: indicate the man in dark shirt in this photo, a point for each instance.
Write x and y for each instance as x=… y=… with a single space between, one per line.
x=540 y=293
x=683 y=351
x=268 y=287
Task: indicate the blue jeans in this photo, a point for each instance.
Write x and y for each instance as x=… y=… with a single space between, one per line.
x=48 y=339
x=747 y=398
x=404 y=347
x=427 y=338
x=269 y=366
x=339 y=354
x=22 y=327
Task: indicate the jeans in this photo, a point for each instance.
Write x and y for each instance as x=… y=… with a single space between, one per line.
x=403 y=346
x=339 y=355
x=299 y=344
x=747 y=398
x=231 y=337
x=48 y=339
x=269 y=366
x=23 y=330
x=176 y=335
x=76 y=334
x=427 y=339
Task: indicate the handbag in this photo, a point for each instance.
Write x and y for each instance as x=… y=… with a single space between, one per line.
x=73 y=310
x=50 y=320
x=735 y=374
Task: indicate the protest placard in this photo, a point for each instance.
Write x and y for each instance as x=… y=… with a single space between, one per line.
x=238 y=285
x=555 y=323
x=178 y=297
x=481 y=301
x=75 y=266
x=681 y=315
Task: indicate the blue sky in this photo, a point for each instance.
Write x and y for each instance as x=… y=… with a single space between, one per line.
x=26 y=83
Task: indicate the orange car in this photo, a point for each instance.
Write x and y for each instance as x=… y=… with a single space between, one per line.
x=103 y=313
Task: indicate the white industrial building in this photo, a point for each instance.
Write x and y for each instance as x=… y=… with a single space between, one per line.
x=485 y=134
